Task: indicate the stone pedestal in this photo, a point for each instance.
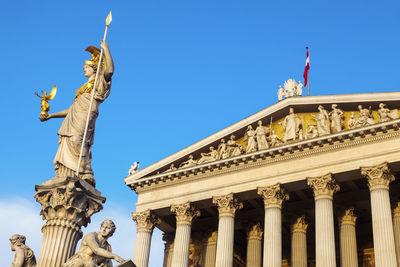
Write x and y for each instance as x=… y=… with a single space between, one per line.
x=254 y=244
x=379 y=178
x=67 y=205
x=396 y=230
x=299 y=242
x=348 y=241
x=273 y=198
x=184 y=216
x=210 y=249
x=145 y=222
x=227 y=207
x=324 y=187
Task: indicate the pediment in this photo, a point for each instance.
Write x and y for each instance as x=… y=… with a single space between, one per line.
x=282 y=131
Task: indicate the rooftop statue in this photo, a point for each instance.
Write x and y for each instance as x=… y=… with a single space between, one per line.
x=95 y=250
x=24 y=256
x=291 y=88
x=73 y=127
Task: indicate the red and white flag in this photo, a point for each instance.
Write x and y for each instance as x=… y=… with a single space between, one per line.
x=305 y=75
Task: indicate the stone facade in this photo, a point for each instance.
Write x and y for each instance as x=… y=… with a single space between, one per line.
x=316 y=197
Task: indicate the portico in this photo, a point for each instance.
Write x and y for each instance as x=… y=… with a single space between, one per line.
x=327 y=196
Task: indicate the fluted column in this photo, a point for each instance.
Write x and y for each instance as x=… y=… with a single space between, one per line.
x=210 y=249
x=67 y=205
x=254 y=239
x=184 y=216
x=348 y=240
x=273 y=196
x=396 y=230
x=227 y=207
x=324 y=187
x=379 y=178
x=168 y=248
x=145 y=222
x=299 y=242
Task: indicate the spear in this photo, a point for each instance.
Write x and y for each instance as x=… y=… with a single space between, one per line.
x=108 y=21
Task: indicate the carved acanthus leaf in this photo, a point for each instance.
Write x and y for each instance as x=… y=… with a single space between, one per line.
x=324 y=186
x=349 y=216
x=379 y=176
x=227 y=205
x=145 y=220
x=273 y=195
x=255 y=231
x=300 y=225
x=185 y=212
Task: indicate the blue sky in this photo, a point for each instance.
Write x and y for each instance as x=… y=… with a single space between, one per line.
x=183 y=70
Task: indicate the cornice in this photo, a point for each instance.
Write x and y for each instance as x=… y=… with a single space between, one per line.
x=299 y=149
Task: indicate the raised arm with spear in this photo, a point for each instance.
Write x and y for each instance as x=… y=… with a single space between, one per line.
x=77 y=130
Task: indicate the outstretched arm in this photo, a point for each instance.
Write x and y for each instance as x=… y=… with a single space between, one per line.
x=60 y=114
x=19 y=258
x=94 y=246
x=109 y=66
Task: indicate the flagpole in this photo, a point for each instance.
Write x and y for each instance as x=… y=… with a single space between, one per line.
x=108 y=21
x=308 y=73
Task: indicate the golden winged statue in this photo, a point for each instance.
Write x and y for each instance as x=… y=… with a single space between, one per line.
x=45 y=107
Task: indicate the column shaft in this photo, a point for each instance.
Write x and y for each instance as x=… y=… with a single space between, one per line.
x=272 y=237
x=396 y=230
x=180 y=256
x=224 y=257
x=60 y=238
x=324 y=233
x=142 y=248
x=379 y=177
x=384 y=247
x=299 y=249
x=324 y=187
x=210 y=249
x=348 y=246
x=253 y=258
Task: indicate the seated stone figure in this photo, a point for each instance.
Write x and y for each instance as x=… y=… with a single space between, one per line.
x=24 y=256
x=95 y=250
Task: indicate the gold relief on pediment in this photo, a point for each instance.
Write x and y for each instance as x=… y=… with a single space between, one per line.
x=293 y=127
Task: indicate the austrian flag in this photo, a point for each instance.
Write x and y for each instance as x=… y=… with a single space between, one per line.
x=305 y=75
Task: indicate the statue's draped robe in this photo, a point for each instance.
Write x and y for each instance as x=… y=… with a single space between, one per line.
x=291 y=125
x=73 y=127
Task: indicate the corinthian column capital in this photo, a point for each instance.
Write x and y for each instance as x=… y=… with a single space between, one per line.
x=300 y=225
x=273 y=195
x=185 y=212
x=379 y=176
x=255 y=232
x=396 y=209
x=145 y=221
x=323 y=186
x=349 y=216
x=227 y=205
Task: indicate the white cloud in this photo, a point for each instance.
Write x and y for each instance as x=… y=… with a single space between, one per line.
x=22 y=216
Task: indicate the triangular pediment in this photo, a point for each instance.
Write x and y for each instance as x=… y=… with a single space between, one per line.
x=281 y=130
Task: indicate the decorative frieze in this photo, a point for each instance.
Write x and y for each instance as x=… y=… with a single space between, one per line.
x=145 y=220
x=273 y=195
x=379 y=176
x=185 y=213
x=227 y=205
x=323 y=186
